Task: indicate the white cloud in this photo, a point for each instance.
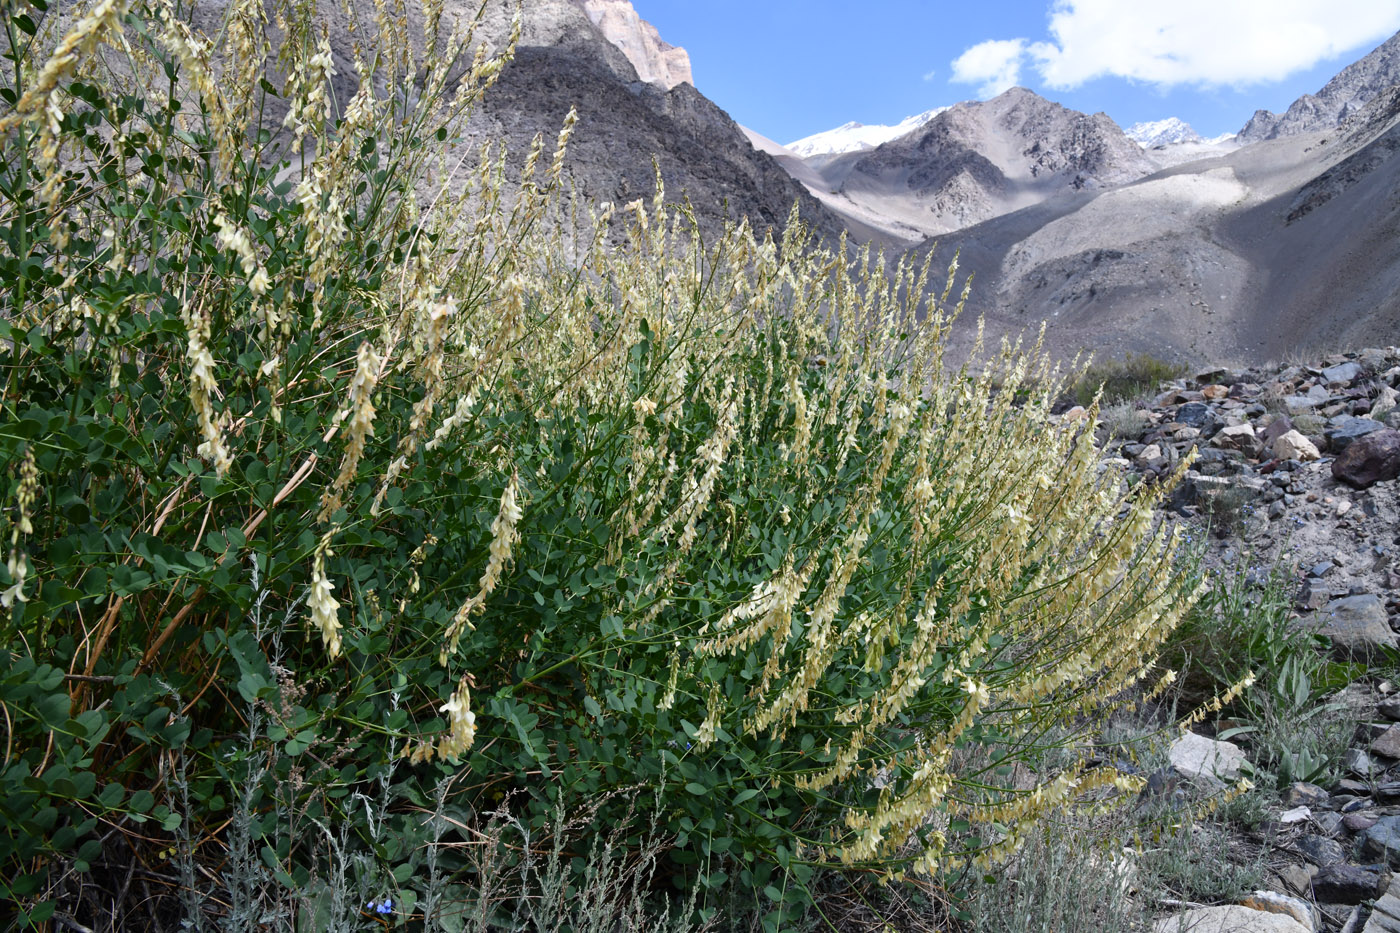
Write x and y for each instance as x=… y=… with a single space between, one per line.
x=931 y=74
x=994 y=65
x=1175 y=42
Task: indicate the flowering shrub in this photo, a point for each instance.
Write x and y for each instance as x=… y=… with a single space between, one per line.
x=370 y=480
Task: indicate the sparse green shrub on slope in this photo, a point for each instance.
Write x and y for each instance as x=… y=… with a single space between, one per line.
x=337 y=487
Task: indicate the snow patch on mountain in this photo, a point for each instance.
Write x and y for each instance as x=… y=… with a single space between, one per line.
x=1166 y=132
x=858 y=137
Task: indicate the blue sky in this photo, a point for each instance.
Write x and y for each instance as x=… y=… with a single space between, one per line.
x=790 y=68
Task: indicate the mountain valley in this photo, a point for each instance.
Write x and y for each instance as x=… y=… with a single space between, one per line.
x=1236 y=249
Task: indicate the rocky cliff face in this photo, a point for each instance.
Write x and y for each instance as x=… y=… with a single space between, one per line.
x=1354 y=87
x=626 y=121
x=657 y=61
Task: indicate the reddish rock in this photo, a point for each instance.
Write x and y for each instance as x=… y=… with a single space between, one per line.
x=1371 y=459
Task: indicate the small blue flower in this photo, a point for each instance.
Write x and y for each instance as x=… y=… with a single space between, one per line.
x=385 y=907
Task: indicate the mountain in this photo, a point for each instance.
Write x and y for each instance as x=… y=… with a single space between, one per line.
x=656 y=61
x=978 y=160
x=1244 y=256
x=1162 y=133
x=857 y=137
x=1354 y=87
x=628 y=124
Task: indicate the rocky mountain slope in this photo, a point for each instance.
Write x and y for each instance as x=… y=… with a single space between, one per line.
x=581 y=54
x=1354 y=87
x=979 y=160
x=1278 y=246
x=1241 y=249
x=1296 y=471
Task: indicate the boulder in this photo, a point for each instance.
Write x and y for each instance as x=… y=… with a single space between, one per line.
x=1291 y=445
x=1230 y=919
x=1206 y=761
x=1193 y=414
x=1347 y=884
x=1382 y=841
x=1370 y=459
x=1238 y=437
x=1319 y=850
x=1343 y=372
x=1303 y=794
x=1276 y=428
x=1301 y=403
x=1357 y=625
x=1271 y=902
x=1341 y=435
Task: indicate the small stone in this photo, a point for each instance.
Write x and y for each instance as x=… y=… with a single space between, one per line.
x=1215 y=392
x=1313 y=595
x=1303 y=794
x=1388 y=743
x=1359 y=822
x=1292 y=445
x=1371 y=459
x=1320 y=850
x=1295 y=879
x=1389 y=708
x=1330 y=823
x=1205 y=760
x=1349 y=786
x=1346 y=884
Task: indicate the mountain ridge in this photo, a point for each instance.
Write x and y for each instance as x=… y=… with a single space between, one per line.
x=1346 y=93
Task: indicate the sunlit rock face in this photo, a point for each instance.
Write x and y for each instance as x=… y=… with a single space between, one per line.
x=657 y=61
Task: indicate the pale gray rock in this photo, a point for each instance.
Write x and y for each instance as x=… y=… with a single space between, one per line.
x=1357 y=625
x=1229 y=919
x=657 y=61
x=1206 y=760
x=1292 y=445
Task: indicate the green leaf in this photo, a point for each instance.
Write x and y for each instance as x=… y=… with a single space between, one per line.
x=696 y=789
